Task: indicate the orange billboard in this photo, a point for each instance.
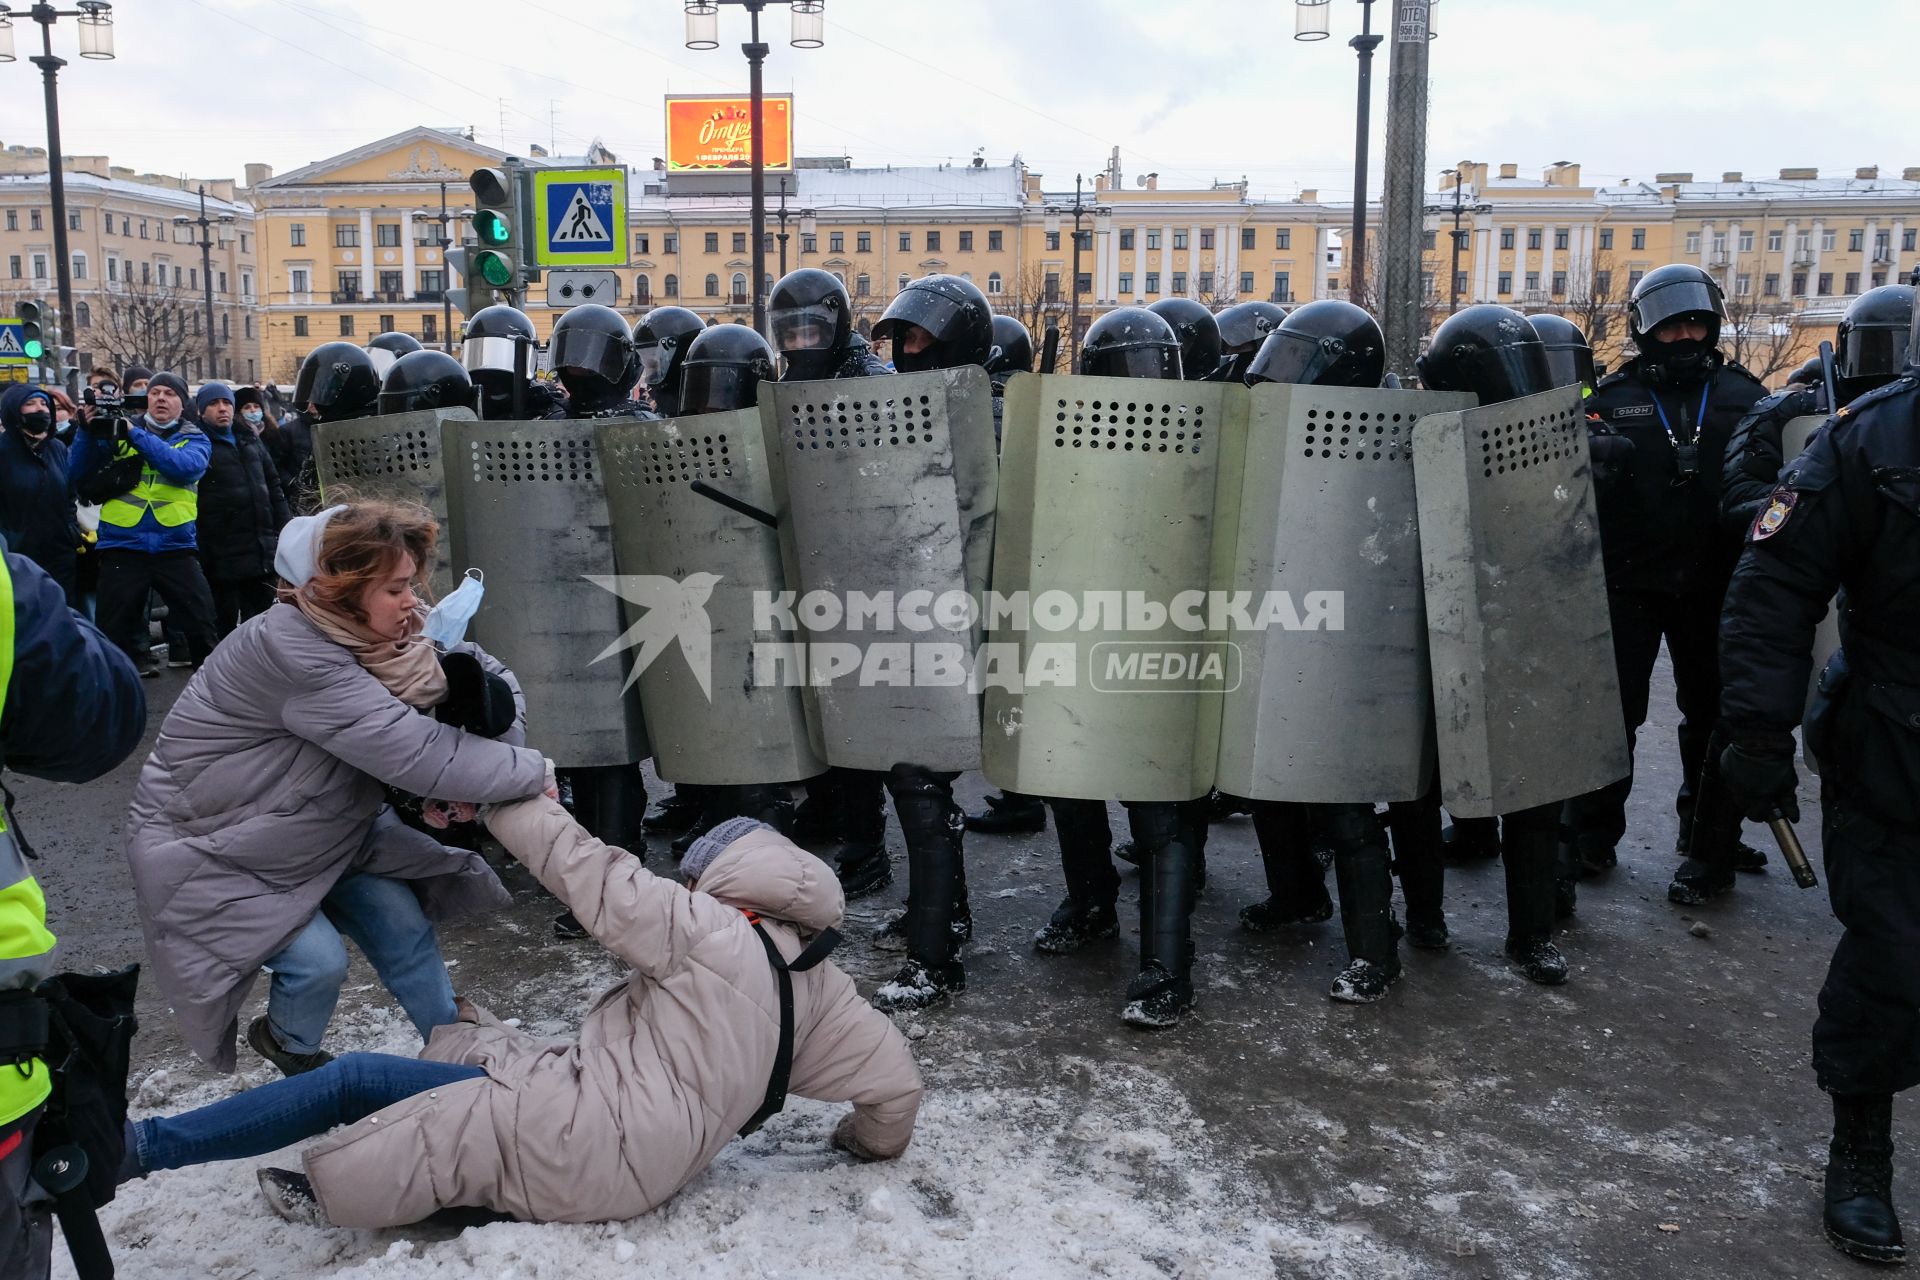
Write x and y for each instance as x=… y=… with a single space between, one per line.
x=715 y=131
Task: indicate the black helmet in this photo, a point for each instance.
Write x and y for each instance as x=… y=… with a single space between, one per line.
x=1245 y=325
x=591 y=350
x=1872 y=345
x=487 y=354
x=1130 y=342
x=810 y=315
x=1012 y=349
x=1674 y=292
x=1198 y=332
x=955 y=316
x=1569 y=358
x=337 y=379
x=1489 y=350
x=425 y=380
x=660 y=338
x=385 y=348
x=1329 y=343
x=723 y=370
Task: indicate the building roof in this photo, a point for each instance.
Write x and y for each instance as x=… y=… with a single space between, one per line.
x=318 y=170
x=187 y=201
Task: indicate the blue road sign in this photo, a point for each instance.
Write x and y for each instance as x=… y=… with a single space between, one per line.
x=582 y=217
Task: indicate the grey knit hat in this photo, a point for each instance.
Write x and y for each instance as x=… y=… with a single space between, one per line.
x=702 y=852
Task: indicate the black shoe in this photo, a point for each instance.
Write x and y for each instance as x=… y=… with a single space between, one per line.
x=1127 y=853
x=1860 y=1220
x=1566 y=895
x=291 y=1197
x=1748 y=858
x=1539 y=960
x=1156 y=998
x=1428 y=935
x=1074 y=924
x=1363 y=982
x=1464 y=845
x=1005 y=817
x=920 y=986
x=1269 y=913
x=676 y=813
x=1698 y=882
x=893 y=934
x=816 y=820
x=863 y=869
x=1594 y=862
x=150 y=672
x=699 y=827
x=260 y=1036
x=567 y=925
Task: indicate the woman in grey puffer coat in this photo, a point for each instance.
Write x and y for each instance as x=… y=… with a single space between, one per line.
x=259 y=832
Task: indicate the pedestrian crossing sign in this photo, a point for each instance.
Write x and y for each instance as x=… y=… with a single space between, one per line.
x=581 y=217
x=13 y=340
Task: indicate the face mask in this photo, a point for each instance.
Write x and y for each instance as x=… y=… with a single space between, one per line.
x=253 y=417
x=447 y=623
x=36 y=424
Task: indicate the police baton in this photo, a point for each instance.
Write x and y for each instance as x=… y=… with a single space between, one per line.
x=1827 y=378
x=1050 y=349
x=727 y=500
x=1789 y=842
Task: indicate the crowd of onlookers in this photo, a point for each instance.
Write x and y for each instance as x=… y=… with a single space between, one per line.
x=147 y=492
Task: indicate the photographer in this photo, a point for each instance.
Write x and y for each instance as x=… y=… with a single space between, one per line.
x=144 y=466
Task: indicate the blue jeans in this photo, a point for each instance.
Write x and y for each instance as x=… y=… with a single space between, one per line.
x=349 y=1088
x=384 y=920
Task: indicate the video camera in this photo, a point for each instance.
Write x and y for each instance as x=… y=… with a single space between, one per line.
x=106 y=401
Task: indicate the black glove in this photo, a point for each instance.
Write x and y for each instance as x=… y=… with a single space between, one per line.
x=1761 y=780
x=477 y=700
x=1611 y=455
x=110 y=481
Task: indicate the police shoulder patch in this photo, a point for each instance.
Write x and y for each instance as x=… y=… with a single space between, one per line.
x=1774 y=517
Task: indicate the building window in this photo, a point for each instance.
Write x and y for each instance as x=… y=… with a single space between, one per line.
x=1053 y=239
x=1282 y=286
x=429 y=329
x=1828 y=240
x=1879 y=278
x=1427 y=239
x=1742 y=285
x=1083 y=282
x=346 y=237
x=863 y=242
x=1824 y=286
x=1559 y=283
x=995 y=242
x=1770 y=285
x=1602 y=285
x=1533 y=237
x=1206 y=239
x=642 y=289
x=300 y=280
x=1459 y=282
x=392 y=283
x=1246 y=237
x=1856 y=240
x=1426 y=284
x=1179 y=282
x=766 y=243
x=1560 y=237
x=906 y=242
x=862 y=285
x=113 y=270
x=1126 y=239
x=13 y=219
x=1153 y=240
x=39 y=266
x=1533 y=282
x=670 y=287
x=1799 y=284
x=1606 y=237
x=713 y=242
x=641 y=241
x=346 y=326
x=143 y=228
x=713 y=285
x=966 y=242
x=810 y=244
x=1633 y=280
x=246 y=324
x=33 y=219
x=670 y=242
x=1333 y=285
x=193 y=277
x=226 y=327
x=836 y=242
x=73 y=222
x=1775 y=239
x=1639 y=237
x=1746 y=242
x=79 y=266
x=1506 y=282
x=1882 y=243
x=1908 y=239
x=739 y=242
x=1283 y=238
x=903 y=282
x=1853 y=282
x=433 y=283
x=993 y=283
x=146 y=273
x=933 y=242
x=83 y=314
x=346 y=285
x=299 y=326
x=1506 y=237
x=1126 y=282
x=739 y=288
x=1153 y=282
x=223 y=282
x=1246 y=282
x=1179 y=239
x=386 y=235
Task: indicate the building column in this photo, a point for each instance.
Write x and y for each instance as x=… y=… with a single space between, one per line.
x=1733 y=256
x=1813 y=272
x=1486 y=258
x=1866 y=252
x=1226 y=273
x=1520 y=261
x=409 y=282
x=1894 y=239
x=1320 y=248
x=366 y=253
x=1706 y=247
x=1164 y=265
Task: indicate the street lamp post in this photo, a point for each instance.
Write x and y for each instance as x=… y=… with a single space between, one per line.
x=1078 y=211
x=205 y=242
x=445 y=219
x=1310 y=23
x=809 y=32
x=96 y=41
x=1459 y=209
x=807 y=224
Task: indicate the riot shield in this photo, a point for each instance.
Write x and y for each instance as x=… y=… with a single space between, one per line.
x=885 y=489
x=1335 y=704
x=525 y=506
x=1794 y=439
x=710 y=719
x=1526 y=696
x=397 y=456
x=1118 y=499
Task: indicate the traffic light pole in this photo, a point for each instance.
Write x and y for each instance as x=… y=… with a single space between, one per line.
x=446 y=274
x=57 y=190
x=756 y=55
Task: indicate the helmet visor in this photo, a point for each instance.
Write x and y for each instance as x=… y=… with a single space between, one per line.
x=1140 y=361
x=650 y=364
x=1570 y=364
x=590 y=351
x=382 y=361
x=1499 y=374
x=941 y=316
x=806 y=328
x=1682 y=297
x=1873 y=353
x=328 y=386
x=1294 y=357
x=718 y=388
x=488 y=353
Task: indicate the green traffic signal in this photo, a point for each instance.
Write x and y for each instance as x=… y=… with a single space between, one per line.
x=491 y=228
x=493 y=268
x=32 y=341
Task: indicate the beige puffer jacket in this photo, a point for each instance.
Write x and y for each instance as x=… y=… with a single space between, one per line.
x=669 y=1064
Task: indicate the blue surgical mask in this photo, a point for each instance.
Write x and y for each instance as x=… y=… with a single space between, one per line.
x=251 y=415
x=447 y=622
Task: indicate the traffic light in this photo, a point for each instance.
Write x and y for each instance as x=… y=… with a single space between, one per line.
x=476 y=296
x=35 y=318
x=501 y=259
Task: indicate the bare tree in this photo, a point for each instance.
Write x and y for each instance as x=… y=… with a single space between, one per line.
x=1223 y=291
x=1596 y=303
x=1760 y=337
x=148 y=324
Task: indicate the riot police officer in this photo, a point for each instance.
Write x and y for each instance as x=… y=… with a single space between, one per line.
x=662 y=337
x=337 y=383
x=1329 y=343
x=722 y=369
x=497 y=352
x=937 y=322
x=1569 y=354
x=1493 y=352
x=425 y=380
x=1668 y=556
x=387 y=347
x=592 y=351
x=1845 y=515
x=1198 y=333
x=1244 y=327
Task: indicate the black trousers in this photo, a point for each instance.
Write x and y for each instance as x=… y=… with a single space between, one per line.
x=236 y=600
x=1867 y=1037
x=125 y=579
x=1690 y=624
x=26 y=1225
x=935 y=831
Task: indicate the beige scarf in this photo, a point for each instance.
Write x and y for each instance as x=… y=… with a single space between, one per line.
x=410 y=669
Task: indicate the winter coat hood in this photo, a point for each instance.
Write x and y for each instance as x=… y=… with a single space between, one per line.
x=13 y=403
x=767 y=874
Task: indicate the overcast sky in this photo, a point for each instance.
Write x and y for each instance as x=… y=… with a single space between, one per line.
x=1194 y=89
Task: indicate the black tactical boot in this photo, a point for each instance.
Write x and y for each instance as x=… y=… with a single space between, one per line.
x=1539 y=960
x=1465 y=841
x=936 y=887
x=818 y=818
x=1360 y=867
x=1296 y=878
x=1418 y=859
x=1009 y=813
x=893 y=934
x=712 y=814
x=920 y=986
x=1859 y=1185
x=1698 y=881
x=1566 y=877
x=1168 y=835
x=1074 y=924
x=1530 y=850
x=861 y=860
x=676 y=812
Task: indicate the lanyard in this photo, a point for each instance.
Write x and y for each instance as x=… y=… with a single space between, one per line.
x=1698 y=418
